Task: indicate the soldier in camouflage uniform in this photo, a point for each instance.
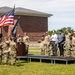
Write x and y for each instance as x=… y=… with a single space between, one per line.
x=47 y=43
x=5 y=46
x=73 y=45
x=67 y=43
x=19 y=39
x=42 y=44
x=26 y=41
x=42 y=48
x=13 y=51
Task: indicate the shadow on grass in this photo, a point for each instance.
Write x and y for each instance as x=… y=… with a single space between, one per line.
x=21 y=62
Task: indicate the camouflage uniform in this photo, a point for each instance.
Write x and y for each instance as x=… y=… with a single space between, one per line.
x=46 y=44
x=67 y=44
x=73 y=46
x=26 y=41
x=42 y=47
x=5 y=46
x=13 y=52
x=19 y=39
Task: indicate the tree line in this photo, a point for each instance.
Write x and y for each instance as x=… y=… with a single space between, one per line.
x=63 y=29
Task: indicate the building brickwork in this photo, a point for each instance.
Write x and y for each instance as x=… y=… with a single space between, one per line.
x=35 y=26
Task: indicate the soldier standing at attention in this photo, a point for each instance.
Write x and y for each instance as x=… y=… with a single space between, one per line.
x=5 y=46
x=26 y=41
x=47 y=43
x=13 y=51
x=19 y=39
x=42 y=46
x=73 y=45
x=67 y=42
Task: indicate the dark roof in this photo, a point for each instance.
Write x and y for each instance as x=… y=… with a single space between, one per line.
x=24 y=11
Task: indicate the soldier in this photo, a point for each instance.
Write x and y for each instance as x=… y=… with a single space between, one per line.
x=42 y=48
x=67 y=43
x=47 y=43
x=19 y=39
x=13 y=51
x=5 y=46
x=26 y=41
x=73 y=45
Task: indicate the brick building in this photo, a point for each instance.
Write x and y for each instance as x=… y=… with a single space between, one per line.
x=35 y=23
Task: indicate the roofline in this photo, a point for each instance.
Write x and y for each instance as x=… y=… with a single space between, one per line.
x=28 y=12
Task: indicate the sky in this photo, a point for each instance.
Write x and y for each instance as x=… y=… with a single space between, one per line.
x=63 y=10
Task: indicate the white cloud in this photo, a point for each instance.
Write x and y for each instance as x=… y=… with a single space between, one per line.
x=40 y=4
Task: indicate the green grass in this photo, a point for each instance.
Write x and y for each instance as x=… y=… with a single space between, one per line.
x=34 y=48
x=36 y=68
x=30 y=52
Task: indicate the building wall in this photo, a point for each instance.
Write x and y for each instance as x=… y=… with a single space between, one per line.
x=34 y=26
x=4 y=32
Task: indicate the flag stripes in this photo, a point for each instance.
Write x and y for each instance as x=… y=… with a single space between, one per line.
x=7 y=19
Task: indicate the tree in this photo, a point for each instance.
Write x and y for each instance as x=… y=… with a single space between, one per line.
x=63 y=29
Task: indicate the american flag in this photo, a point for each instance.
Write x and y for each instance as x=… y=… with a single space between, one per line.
x=7 y=19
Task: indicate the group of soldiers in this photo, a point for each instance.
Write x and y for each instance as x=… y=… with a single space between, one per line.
x=66 y=48
x=9 y=49
x=25 y=40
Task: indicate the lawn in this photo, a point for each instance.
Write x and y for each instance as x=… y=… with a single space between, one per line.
x=36 y=68
x=34 y=50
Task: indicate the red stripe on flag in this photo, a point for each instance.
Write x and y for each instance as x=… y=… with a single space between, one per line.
x=7 y=19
